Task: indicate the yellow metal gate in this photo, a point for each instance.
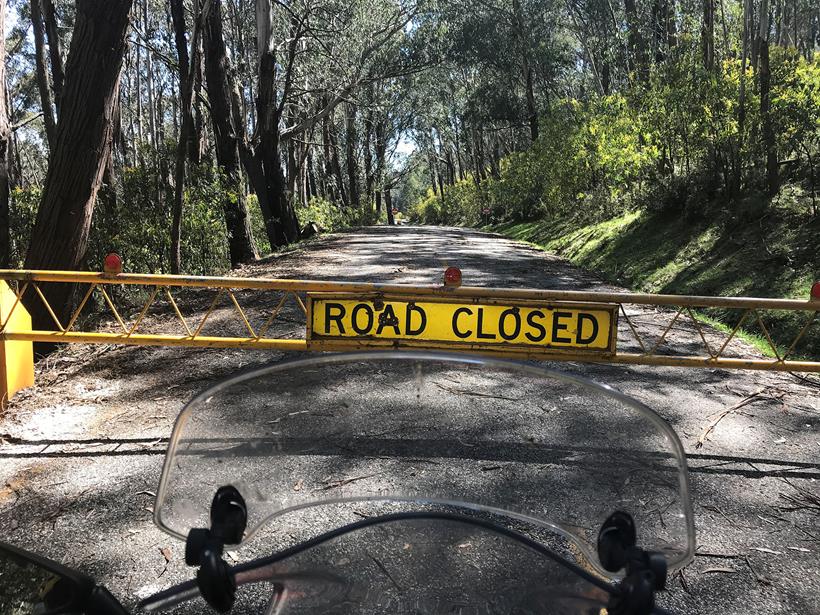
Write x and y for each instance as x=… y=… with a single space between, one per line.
x=618 y=328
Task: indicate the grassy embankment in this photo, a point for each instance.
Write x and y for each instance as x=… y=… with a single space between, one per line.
x=775 y=256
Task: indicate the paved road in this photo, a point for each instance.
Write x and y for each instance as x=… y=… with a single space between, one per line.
x=82 y=450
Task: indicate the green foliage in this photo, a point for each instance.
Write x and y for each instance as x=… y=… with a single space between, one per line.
x=796 y=99
x=427 y=210
x=415 y=185
x=136 y=223
x=678 y=142
x=204 y=247
x=660 y=186
x=23 y=205
x=133 y=219
x=258 y=225
x=129 y=219
x=659 y=252
x=796 y=106
x=569 y=163
x=326 y=214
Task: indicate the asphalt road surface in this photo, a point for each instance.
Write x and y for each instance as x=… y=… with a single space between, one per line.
x=82 y=450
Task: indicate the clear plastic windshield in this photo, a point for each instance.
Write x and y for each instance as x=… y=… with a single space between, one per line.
x=341 y=437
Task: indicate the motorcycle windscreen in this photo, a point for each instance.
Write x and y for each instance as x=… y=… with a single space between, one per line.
x=371 y=433
x=418 y=566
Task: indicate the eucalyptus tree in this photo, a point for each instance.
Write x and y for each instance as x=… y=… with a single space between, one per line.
x=5 y=151
x=228 y=136
x=81 y=146
x=310 y=56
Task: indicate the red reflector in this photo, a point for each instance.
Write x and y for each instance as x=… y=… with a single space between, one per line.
x=815 y=290
x=112 y=263
x=452 y=276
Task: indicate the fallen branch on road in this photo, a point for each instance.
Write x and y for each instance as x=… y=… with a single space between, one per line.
x=806 y=380
x=474 y=393
x=802 y=500
x=763 y=394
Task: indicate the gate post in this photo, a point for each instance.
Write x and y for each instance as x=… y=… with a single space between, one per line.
x=16 y=358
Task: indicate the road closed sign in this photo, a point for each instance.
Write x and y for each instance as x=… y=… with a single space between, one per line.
x=347 y=321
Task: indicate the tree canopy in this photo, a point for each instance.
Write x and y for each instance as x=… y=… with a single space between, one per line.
x=234 y=123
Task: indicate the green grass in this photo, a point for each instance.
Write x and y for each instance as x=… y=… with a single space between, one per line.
x=755 y=339
x=774 y=256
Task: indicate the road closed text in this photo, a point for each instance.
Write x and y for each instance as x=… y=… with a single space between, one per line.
x=554 y=325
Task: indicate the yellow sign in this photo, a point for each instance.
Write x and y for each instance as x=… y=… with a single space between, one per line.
x=439 y=322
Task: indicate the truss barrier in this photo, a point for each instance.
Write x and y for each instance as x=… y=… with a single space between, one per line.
x=317 y=315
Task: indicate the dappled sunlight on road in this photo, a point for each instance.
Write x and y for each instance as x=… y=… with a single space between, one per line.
x=82 y=450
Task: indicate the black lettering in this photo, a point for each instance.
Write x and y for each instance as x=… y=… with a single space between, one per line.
x=557 y=327
x=388 y=318
x=408 y=329
x=354 y=318
x=589 y=318
x=481 y=335
x=542 y=331
x=337 y=318
x=459 y=333
x=502 y=329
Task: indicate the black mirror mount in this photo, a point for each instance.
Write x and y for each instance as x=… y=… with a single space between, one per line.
x=646 y=571
x=52 y=587
x=204 y=548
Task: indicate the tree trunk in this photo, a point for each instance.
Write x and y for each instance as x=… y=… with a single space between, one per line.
x=334 y=161
x=138 y=95
x=350 y=155
x=520 y=27
x=480 y=157
x=329 y=190
x=41 y=62
x=200 y=133
x=637 y=50
x=812 y=32
x=741 y=107
x=532 y=112
x=312 y=189
x=381 y=151
x=306 y=190
x=242 y=248
x=187 y=69
x=451 y=169
x=84 y=137
x=5 y=153
x=764 y=75
x=53 y=36
x=495 y=160
x=295 y=163
x=186 y=145
x=185 y=130
x=388 y=206
x=603 y=84
x=671 y=25
x=707 y=35
x=127 y=86
x=659 y=19
x=149 y=82
x=440 y=183
x=280 y=218
x=725 y=29
x=369 y=179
